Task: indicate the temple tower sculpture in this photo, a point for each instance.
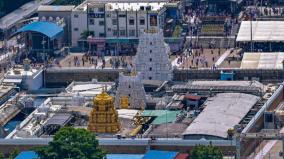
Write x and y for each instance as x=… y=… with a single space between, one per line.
x=152 y=57
x=103 y=117
x=130 y=92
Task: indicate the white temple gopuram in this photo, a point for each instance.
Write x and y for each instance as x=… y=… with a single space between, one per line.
x=152 y=57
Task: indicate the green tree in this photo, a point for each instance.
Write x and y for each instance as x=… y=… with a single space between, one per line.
x=71 y=143
x=14 y=153
x=206 y=152
x=1 y=156
x=85 y=34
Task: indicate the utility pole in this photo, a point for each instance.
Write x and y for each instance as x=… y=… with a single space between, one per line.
x=251 y=44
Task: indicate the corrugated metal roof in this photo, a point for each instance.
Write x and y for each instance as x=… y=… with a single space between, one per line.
x=154 y=154
x=47 y=28
x=182 y=156
x=59 y=119
x=162 y=116
x=222 y=112
x=55 y=8
x=124 y=156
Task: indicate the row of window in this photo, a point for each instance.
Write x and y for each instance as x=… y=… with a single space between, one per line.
x=92 y=22
x=123 y=33
x=131 y=22
x=114 y=22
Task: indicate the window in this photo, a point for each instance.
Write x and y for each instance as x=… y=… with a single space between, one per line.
x=150 y=43
x=76 y=16
x=102 y=34
x=92 y=33
x=150 y=59
x=150 y=78
x=122 y=32
x=114 y=21
x=150 y=69
x=150 y=51
x=114 y=32
x=101 y=9
x=101 y=23
x=129 y=86
x=92 y=22
x=108 y=29
x=129 y=95
x=131 y=32
x=91 y=10
x=76 y=29
x=121 y=15
x=153 y=20
x=131 y=21
x=108 y=15
x=142 y=21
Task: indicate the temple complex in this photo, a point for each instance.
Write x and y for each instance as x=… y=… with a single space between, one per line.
x=130 y=92
x=104 y=117
x=152 y=58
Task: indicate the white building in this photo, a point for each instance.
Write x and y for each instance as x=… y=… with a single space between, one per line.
x=152 y=57
x=30 y=79
x=111 y=23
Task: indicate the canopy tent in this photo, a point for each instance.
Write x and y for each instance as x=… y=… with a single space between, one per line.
x=51 y=30
x=262 y=31
x=262 y=60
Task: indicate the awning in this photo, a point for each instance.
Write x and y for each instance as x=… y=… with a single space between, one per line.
x=12 y=80
x=49 y=29
x=123 y=40
x=262 y=31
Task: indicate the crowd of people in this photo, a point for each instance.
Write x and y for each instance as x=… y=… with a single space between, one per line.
x=117 y=62
x=198 y=58
x=87 y=59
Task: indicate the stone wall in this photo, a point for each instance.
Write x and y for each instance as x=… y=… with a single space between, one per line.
x=266 y=75
x=63 y=77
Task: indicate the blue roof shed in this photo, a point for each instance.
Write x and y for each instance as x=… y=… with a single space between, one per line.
x=124 y=156
x=27 y=155
x=48 y=29
x=154 y=154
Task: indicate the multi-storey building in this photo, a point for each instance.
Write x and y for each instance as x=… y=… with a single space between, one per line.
x=114 y=27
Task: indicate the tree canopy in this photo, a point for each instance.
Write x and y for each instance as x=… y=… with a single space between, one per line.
x=208 y=152
x=72 y=143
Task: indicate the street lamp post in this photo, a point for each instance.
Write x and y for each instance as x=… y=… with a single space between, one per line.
x=251 y=44
x=43 y=49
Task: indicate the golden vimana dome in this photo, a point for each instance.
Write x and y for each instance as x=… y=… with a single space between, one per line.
x=103 y=118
